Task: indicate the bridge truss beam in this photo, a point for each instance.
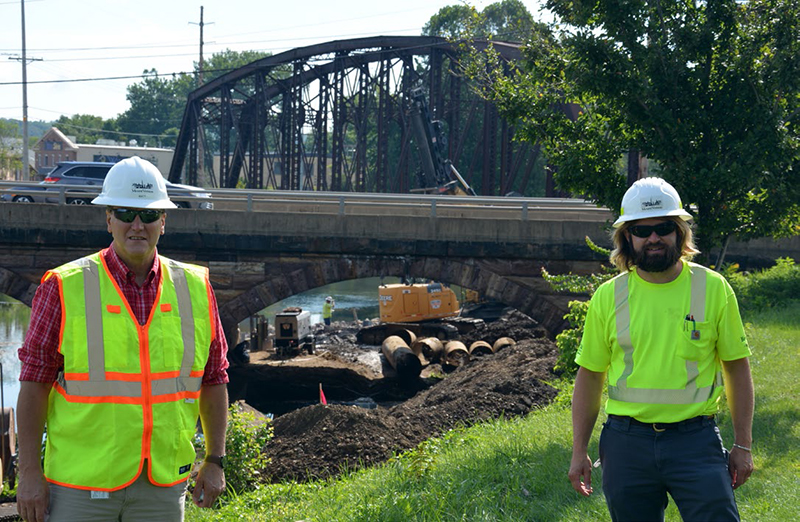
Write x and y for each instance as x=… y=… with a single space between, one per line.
x=334 y=117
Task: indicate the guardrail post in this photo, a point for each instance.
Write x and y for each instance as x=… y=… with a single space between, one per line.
x=433 y=208
x=62 y=196
x=249 y=202
x=524 y=211
x=341 y=205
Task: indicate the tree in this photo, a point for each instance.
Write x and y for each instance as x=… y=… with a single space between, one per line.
x=158 y=102
x=226 y=61
x=156 y=105
x=507 y=20
x=10 y=157
x=85 y=128
x=451 y=21
x=709 y=90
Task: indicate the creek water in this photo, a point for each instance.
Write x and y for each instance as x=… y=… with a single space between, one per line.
x=14 y=318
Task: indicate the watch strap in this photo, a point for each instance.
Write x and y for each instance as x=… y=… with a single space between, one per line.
x=219 y=460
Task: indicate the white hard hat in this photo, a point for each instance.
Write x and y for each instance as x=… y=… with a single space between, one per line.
x=329 y=298
x=134 y=182
x=650 y=198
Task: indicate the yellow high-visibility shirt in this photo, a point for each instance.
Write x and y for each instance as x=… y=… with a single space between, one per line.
x=673 y=370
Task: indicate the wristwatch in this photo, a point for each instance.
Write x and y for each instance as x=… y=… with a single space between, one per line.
x=219 y=460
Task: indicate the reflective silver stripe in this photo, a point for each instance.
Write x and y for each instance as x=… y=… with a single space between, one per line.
x=698 y=305
x=94 y=319
x=658 y=396
x=187 y=317
x=176 y=385
x=100 y=389
x=691 y=394
x=622 y=312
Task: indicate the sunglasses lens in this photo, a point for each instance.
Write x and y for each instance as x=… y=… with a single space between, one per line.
x=124 y=215
x=662 y=229
x=148 y=216
x=127 y=215
x=666 y=228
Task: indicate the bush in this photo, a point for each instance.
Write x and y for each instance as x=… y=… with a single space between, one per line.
x=245 y=439
x=768 y=288
x=569 y=340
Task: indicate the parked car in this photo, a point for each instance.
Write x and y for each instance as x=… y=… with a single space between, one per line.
x=89 y=173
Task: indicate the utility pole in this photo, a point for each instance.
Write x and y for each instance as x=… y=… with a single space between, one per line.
x=26 y=172
x=200 y=151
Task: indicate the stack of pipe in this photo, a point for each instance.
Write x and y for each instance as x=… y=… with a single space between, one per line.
x=503 y=342
x=479 y=348
x=403 y=360
x=428 y=349
x=455 y=354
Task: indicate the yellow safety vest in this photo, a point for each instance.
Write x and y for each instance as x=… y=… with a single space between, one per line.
x=128 y=392
x=691 y=393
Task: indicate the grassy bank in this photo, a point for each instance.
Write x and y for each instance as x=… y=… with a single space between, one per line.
x=516 y=470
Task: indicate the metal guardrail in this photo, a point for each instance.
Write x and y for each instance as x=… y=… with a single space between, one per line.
x=345 y=203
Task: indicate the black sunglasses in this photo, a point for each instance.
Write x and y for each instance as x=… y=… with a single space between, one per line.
x=662 y=229
x=127 y=215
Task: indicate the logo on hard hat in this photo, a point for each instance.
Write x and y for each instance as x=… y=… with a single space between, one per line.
x=141 y=185
x=651 y=204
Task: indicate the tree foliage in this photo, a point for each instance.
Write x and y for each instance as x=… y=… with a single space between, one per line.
x=506 y=20
x=85 y=127
x=709 y=90
x=10 y=157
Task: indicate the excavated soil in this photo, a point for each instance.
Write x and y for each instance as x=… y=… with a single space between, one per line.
x=319 y=441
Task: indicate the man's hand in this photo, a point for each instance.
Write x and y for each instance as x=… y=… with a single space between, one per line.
x=209 y=485
x=580 y=474
x=33 y=497
x=740 y=466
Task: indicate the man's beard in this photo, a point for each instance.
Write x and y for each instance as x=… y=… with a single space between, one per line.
x=650 y=262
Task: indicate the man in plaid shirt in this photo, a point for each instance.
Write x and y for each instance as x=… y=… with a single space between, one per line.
x=138 y=485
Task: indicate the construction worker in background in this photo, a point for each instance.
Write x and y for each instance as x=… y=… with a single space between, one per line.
x=125 y=350
x=327 y=309
x=665 y=331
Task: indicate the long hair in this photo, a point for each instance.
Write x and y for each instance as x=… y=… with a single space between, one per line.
x=623 y=256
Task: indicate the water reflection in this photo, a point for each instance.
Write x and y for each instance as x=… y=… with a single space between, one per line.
x=14 y=318
x=356 y=298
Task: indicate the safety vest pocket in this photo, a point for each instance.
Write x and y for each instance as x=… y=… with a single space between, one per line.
x=697 y=341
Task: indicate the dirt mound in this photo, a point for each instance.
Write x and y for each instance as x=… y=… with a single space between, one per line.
x=319 y=441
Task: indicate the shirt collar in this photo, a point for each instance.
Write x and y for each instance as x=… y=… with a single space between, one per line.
x=120 y=270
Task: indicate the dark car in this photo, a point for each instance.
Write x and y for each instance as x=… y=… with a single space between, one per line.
x=89 y=173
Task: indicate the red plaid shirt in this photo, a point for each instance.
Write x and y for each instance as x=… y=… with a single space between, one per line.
x=39 y=354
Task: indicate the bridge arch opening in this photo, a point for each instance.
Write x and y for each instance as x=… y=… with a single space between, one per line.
x=294 y=278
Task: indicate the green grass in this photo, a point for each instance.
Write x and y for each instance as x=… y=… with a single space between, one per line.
x=516 y=469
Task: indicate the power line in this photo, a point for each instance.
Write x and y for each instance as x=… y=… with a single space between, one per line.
x=101 y=131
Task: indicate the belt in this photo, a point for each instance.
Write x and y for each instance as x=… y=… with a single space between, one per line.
x=661 y=426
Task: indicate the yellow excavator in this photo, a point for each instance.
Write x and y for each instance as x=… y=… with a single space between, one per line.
x=401 y=303
x=425 y=309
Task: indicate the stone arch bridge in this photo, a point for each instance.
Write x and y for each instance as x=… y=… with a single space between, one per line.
x=262 y=247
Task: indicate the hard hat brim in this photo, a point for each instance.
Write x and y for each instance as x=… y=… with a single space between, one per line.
x=652 y=214
x=133 y=203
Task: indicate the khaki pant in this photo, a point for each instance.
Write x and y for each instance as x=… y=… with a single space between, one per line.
x=141 y=501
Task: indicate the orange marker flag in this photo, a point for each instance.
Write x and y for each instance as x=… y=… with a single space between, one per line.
x=322 y=396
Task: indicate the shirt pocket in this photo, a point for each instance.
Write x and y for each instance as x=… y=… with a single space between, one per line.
x=697 y=341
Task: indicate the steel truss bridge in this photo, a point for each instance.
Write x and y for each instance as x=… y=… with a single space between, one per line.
x=334 y=117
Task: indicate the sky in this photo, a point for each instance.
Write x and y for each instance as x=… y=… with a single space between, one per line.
x=68 y=40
